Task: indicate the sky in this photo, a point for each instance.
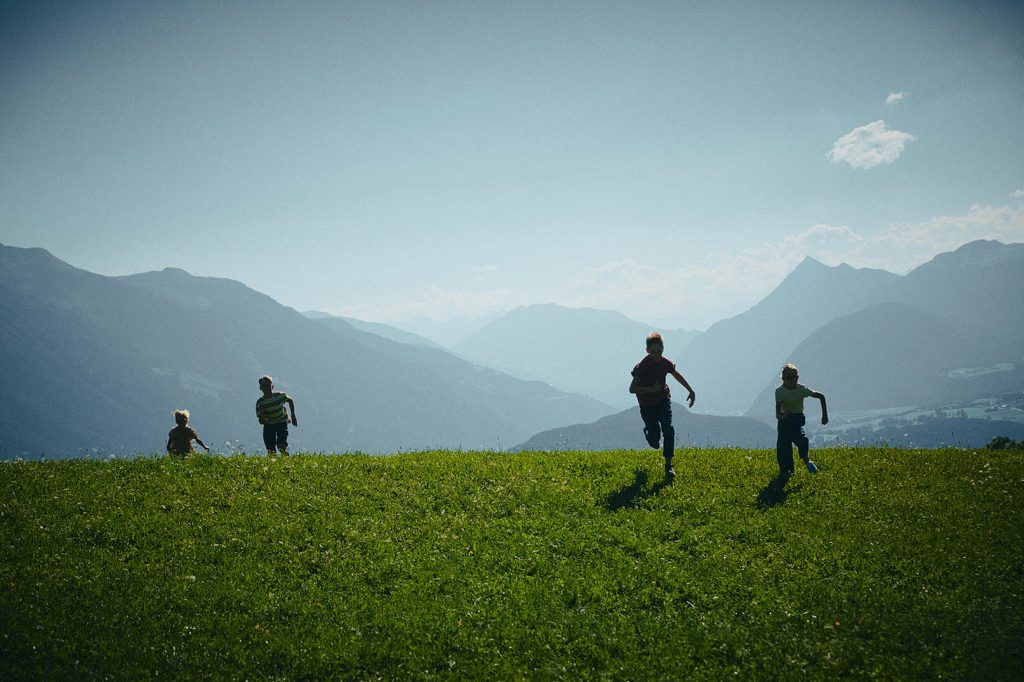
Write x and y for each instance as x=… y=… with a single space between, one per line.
x=388 y=160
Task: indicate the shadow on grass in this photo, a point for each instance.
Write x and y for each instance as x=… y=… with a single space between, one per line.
x=633 y=494
x=773 y=494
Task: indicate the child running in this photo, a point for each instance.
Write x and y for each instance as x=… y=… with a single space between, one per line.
x=270 y=410
x=652 y=393
x=179 y=439
x=789 y=410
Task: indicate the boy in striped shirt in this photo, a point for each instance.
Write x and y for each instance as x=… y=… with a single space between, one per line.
x=270 y=410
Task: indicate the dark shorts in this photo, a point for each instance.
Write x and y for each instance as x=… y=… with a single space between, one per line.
x=275 y=436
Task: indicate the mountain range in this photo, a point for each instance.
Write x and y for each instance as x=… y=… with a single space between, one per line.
x=580 y=350
x=97 y=364
x=376 y=328
x=866 y=337
x=871 y=337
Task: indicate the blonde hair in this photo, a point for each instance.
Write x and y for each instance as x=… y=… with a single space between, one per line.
x=789 y=369
x=655 y=338
x=181 y=416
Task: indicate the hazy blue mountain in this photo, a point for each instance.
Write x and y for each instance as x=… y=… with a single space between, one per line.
x=448 y=332
x=100 y=362
x=978 y=289
x=729 y=363
x=961 y=338
x=876 y=358
x=624 y=430
x=579 y=350
x=981 y=286
x=378 y=329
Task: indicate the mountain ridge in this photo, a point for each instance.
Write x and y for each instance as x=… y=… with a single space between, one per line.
x=583 y=350
x=100 y=362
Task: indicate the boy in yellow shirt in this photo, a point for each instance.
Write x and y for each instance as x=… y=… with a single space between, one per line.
x=789 y=410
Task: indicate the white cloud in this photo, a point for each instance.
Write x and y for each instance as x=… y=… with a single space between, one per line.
x=1019 y=194
x=870 y=145
x=895 y=97
x=903 y=246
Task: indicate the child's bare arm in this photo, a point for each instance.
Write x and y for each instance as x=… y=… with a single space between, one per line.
x=291 y=411
x=200 y=441
x=692 y=396
x=824 y=406
x=168 y=442
x=778 y=410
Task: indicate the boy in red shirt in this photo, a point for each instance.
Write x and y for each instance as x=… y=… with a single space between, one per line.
x=655 y=399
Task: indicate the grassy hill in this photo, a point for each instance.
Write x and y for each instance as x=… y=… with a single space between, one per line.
x=889 y=563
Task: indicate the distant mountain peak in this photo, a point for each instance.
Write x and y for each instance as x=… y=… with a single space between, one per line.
x=979 y=253
x=981 y=246
x=32 y=257
x=28 y=252
x=983 y=249
x=811 y=262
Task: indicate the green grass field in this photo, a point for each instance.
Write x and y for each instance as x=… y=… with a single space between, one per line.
x=889 y=563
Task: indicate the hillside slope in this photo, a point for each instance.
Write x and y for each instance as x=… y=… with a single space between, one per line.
x=343 y=324
x=875 y=358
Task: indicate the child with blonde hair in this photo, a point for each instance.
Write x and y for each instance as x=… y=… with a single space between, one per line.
x=179 y=440
x=789 y=410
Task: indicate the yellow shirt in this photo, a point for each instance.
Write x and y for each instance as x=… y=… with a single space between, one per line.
x=792 y=400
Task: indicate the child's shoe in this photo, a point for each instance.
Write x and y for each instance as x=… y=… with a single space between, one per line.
x=811 y=466
x=670 y=473
x=651 y=440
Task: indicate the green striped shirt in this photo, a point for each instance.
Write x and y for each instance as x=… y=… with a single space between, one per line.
x=271 y=410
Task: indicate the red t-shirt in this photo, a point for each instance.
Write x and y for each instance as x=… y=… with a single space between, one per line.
x=649 y=372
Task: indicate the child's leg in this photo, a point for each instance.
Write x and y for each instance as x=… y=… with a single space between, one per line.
x=282 y=438
x=784 y=448
x=669 y=431
x=652 y=429
x=270 y=438
x=803 y=445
